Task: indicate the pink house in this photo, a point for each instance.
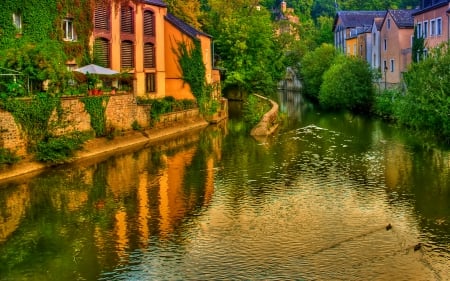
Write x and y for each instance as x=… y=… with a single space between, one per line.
x=396 y=41
x=432 y=22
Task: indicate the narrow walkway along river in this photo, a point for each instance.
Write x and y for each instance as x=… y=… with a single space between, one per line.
x=313 y=202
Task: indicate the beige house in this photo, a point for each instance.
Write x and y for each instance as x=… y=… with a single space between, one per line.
x=396 y=41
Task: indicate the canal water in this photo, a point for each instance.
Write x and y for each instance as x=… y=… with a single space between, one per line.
x=312 y=202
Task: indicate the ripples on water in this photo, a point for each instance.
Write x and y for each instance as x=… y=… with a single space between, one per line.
x=316 y=215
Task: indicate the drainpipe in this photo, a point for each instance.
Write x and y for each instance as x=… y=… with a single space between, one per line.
x=448 y=25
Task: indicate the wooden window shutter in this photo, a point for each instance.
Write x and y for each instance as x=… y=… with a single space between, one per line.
x=101 y=17
x=149 y=55
x=126 y=20
x=148 y=24
x=127 y=55
x=101 y=52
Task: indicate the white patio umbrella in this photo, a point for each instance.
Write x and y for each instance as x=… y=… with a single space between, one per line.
x=96 y=69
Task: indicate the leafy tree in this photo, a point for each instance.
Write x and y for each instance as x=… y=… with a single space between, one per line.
x=418 y=46
x=187 y=10
x=347 y=84
x=427 y=102
x=313 y=66
x=245 y=43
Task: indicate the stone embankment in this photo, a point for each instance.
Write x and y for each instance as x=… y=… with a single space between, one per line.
x=121 y=111
x=269 y=122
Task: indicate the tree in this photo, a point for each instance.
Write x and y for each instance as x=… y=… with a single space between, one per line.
x=347 y=84
x=418 y=46
x=245 y=43
x=426 y=104
x=313 y=65
x=186 y=10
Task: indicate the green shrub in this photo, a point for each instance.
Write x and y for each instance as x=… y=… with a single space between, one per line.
x=347 y=85
x=385 y=103
x=427 y=102
x=254 y=109
x=7 y=156
x=59 y=149
x=313 y=66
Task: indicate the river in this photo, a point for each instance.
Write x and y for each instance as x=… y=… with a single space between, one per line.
x=312 y=202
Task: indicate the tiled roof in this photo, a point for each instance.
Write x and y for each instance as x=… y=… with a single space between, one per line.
x=403 y=18
x=432 y=6
x=357 y=18
x=155 y=2
x=184 y=27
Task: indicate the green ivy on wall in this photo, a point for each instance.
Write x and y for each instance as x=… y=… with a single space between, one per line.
x=190 y=60
x=96 y=107
x=33 y=116
x=42 y=21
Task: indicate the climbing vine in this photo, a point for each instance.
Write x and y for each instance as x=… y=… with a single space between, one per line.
x=190 y=60
x=33 y=116
x=96 y=107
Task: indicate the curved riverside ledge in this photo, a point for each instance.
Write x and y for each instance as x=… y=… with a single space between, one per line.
x=268 y=123
x=102 y=147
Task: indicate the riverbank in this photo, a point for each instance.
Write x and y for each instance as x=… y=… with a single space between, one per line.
x=102 y=147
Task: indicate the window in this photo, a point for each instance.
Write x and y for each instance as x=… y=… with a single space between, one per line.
x=149 y=29
x=17 y=21
x=425 y=29
x=102 y=52
x=419 y=30
x=101 y=17
x=149 y=55
x=385 y=44
x=127 y=54
x=374 y=35
x=439 y=26
x=392 y=65
x=68 y=31
x=389 y=24
x=385 y=66
x=150 y=82
x=126 y=20
x=432 y=27
x=374 y=62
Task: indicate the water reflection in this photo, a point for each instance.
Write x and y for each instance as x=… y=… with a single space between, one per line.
x=311 y=203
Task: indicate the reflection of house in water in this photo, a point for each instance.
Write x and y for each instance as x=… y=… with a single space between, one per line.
x=13 y=209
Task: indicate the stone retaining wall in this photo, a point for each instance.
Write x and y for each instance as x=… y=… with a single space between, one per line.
x=269 y=122
x=121 y=111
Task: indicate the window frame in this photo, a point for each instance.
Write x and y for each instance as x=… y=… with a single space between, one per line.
x=17 y=21
x=68 y=28
x=432 y=27
x=392 y=65
x=150 y=86
x=439 y=26
x=425 y=29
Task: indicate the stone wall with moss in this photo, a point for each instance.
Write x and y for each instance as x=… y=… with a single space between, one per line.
x=121 y=112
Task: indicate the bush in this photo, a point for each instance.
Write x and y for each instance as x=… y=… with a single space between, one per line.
x=254 y=109
x=313 y=66
x=59 y=149
x=347 y=85
x=427 y=102
x=7 y=156
x=384 y=103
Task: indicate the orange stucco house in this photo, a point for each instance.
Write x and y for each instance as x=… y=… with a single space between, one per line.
x=139 y=37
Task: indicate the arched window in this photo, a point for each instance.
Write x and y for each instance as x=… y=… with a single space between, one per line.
x=149 y=28
x=127 y=54
x=149 y=55
x=102 y=52
x=126 y=20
